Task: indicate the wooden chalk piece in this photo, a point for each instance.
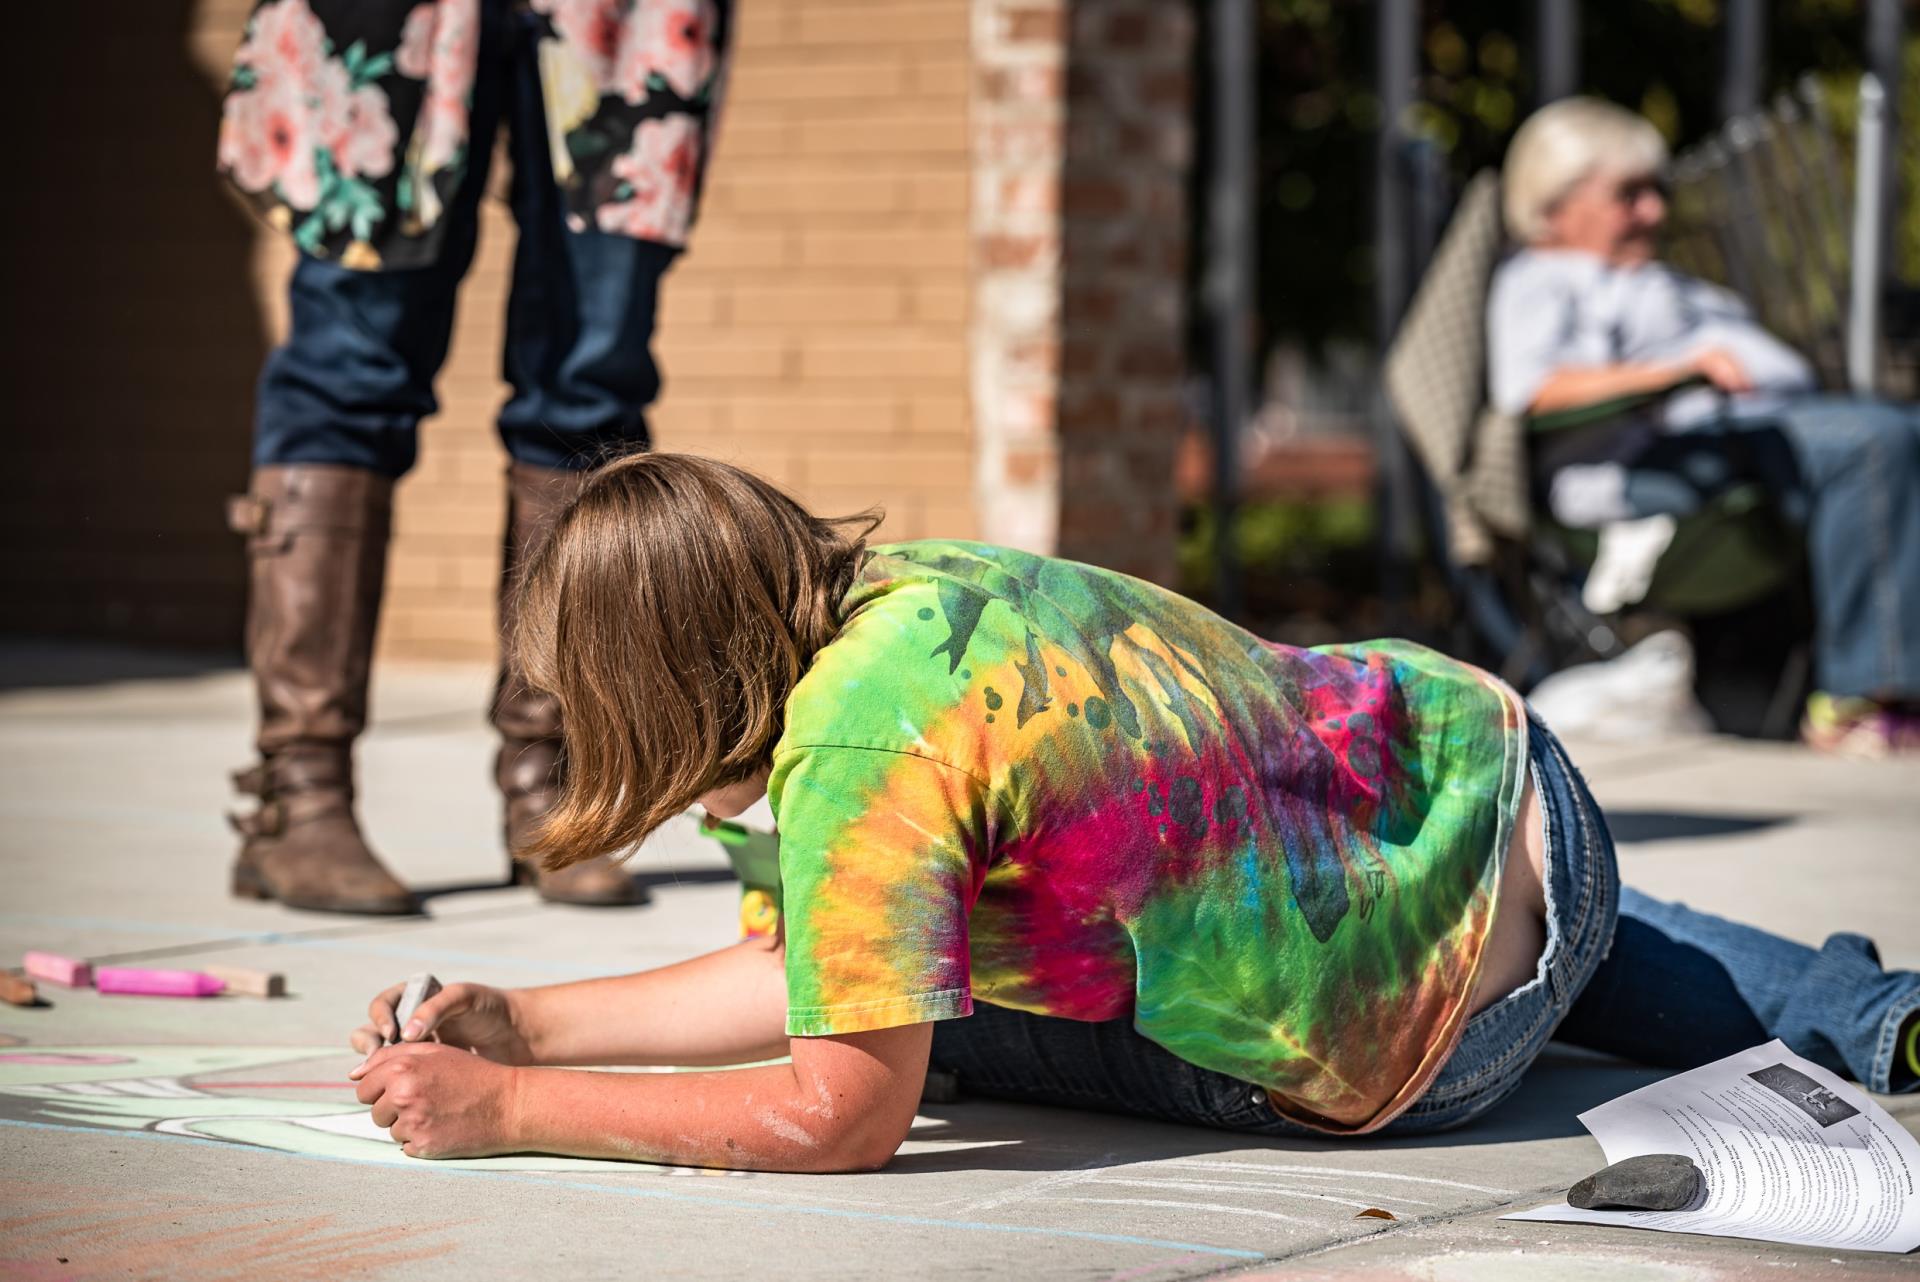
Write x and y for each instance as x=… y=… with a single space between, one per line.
x=55 y=969
x=18 y=990
x=242 y=982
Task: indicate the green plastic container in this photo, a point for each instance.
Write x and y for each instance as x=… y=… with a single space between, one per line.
x=755 y=857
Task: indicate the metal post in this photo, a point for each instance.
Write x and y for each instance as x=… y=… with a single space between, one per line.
x=1869 y=238
x=1231 y=271
x=1746 y=53
x=1886 y=32
x=1557 y=33
x=1886 y=20
x=1397 y=47
x=1427 y=181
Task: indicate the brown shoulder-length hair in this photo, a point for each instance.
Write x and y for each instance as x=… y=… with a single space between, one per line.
x=671 y=610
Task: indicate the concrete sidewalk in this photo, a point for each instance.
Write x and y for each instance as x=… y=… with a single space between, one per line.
x=215 y=1139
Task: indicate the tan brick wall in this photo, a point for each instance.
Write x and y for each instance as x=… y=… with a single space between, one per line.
x=1082 y=132
x=815 y=331
x=1124 y=230
x=1019 y=123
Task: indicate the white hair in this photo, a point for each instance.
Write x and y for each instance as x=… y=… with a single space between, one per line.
x=1560 y=145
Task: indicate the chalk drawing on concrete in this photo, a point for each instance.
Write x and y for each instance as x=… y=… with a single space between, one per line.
x=170 y=1090
x=162 y=1089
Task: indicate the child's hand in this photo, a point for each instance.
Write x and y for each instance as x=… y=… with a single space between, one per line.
x=471 y=1016
x=438 y=1101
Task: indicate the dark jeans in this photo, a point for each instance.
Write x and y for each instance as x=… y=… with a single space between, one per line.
x=355 y=376
x=1669 y=986
x=1848 y=473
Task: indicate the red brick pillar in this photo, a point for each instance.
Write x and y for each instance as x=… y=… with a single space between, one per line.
x=1082 y=138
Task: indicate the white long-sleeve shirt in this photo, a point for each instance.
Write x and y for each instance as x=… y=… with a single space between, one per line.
x=1552 y=309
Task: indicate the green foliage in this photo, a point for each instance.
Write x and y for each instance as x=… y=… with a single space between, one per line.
x=1279 y=538
x=1907 y=233
x=1317 y=110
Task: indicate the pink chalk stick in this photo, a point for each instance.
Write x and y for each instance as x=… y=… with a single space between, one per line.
x=56 y=969
x=156 y=983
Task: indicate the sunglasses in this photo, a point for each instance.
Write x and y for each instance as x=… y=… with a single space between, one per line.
x=1632 y=189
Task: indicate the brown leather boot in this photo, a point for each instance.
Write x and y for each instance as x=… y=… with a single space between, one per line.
x=528 y=767
x=317 y=544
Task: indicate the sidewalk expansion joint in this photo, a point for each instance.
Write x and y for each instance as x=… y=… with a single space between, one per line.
x=1398 y=1228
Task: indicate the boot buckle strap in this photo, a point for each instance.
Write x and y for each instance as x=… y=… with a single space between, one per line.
x=247 y=514
x=269 y=820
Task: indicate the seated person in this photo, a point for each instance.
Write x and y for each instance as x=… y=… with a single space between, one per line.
x=1585 y=313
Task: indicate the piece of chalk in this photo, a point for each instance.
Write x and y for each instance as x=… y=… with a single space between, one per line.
x=142 y=982
x=419 y=988
x=242 y=982
x=56 y=969
x=17 y=990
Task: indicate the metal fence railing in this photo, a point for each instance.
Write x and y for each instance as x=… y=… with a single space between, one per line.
x=1789 y=211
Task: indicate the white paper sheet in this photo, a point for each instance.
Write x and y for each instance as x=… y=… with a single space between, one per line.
x=1791 y=1154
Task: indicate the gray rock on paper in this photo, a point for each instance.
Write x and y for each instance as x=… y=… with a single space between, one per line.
x=1650 y=1182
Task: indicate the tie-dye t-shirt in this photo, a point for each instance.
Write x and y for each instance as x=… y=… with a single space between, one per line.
x=1055 y=788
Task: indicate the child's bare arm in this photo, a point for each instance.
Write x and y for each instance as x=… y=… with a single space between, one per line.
x=725 y=1007
x=728 y=1007
x=843 y=1104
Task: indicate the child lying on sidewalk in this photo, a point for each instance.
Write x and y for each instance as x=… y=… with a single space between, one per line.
x=1077 y=840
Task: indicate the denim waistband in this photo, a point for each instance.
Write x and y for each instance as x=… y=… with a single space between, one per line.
x=1583 y=897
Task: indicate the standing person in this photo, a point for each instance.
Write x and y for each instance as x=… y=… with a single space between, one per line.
x=365 y=130
x=1073 y=838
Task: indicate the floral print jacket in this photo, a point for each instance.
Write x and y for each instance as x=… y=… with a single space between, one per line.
x=346 y=120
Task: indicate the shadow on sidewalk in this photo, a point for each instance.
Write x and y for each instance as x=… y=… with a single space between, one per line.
x=646 y=880
x=1564 y=1083
x=49 y=663
x=1630 y=827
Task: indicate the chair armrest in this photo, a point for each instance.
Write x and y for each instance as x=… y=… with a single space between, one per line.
x=1601 y=411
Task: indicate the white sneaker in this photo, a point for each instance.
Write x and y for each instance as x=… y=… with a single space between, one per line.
x=1646 y=693
x=1623 y=569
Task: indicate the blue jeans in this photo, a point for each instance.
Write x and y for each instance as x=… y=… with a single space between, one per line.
x=355 y=376
x=1848 y=473
x=1668 y=986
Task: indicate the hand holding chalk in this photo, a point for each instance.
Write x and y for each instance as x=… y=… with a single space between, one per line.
x=419 y=988
x=380 y=1027
x=389 y=1013
x=470 y=1016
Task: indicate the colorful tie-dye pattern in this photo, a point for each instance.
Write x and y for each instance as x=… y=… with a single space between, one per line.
x=1063 y=790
